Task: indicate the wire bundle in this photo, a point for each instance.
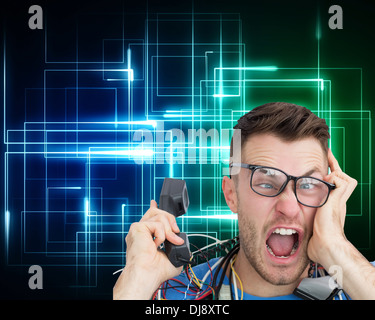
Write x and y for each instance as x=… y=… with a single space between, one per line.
x=199 y=289
x=224 y=245
x=193 y=289
x=224 y=263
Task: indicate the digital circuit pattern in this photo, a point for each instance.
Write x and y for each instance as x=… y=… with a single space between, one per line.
x=118 y=99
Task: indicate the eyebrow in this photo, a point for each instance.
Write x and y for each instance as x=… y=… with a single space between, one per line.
x=310 y=172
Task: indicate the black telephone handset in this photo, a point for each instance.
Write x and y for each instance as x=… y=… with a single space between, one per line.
x=175 y=200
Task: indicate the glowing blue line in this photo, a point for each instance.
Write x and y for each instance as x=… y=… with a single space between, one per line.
x=174 y=111
x=86 y=206
x=7 y=223
x=144 y=122
x=223 y=95
x=113 y=79
x=134 y=152
x=4 y=95
x=131 y=74
x=70 y=188
x=153 y=123
x=185 y=115
x=129 y=71
x=171 y=162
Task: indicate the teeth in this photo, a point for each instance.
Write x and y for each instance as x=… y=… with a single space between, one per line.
x=284 y=231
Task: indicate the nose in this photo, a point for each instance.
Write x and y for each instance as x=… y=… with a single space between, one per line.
x=287 y=203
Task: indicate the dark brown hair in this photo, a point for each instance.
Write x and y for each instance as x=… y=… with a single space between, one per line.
x=287 y=121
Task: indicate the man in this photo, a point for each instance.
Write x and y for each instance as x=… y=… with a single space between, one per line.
x=291 y=211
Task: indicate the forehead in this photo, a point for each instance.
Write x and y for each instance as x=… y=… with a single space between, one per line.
x=293 y=157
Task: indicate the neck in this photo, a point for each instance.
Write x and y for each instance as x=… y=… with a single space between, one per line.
x=255 y=285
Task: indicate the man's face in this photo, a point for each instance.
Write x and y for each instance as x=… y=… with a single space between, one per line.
x=262 y=219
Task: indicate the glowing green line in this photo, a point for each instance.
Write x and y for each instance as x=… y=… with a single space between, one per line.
x=266 y=68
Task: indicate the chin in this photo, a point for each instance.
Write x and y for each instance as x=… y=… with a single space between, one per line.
x=284 y=275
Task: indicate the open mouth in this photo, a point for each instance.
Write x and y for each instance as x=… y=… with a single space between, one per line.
x=283 y=242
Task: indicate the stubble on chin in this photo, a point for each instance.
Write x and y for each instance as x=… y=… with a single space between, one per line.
x=250 y=243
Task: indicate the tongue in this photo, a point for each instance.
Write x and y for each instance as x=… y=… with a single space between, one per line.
x=281 y=245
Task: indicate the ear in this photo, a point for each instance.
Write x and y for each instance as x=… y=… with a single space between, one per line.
x=230 y=193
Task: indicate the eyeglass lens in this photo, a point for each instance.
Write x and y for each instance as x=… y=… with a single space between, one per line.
x=270 y=182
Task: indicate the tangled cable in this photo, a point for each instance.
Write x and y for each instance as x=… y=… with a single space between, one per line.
x=199 y=289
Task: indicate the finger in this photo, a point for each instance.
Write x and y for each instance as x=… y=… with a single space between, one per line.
x=152 y=211
x=175 y=239
x=153 y=204
x=152 y=229
x=157 y=231
x=350 y=187
x=145 y=232
x=155 y=212
x=160 y=234
x=332 y=162
x=339 y=191
x=173 y=223
x=170 y=226
x=345 y=185
x=337 y=198
x=340 y=174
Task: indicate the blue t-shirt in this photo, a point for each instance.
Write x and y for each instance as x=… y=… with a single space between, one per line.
x=182 y=288
x=179 y=289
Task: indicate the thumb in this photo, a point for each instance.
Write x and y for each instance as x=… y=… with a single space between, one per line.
x=153 y=204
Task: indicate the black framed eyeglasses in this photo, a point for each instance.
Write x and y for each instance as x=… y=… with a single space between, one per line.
x=270 y=182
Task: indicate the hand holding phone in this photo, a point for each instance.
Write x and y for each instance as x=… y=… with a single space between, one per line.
x=175 y=200
x=146 y=265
